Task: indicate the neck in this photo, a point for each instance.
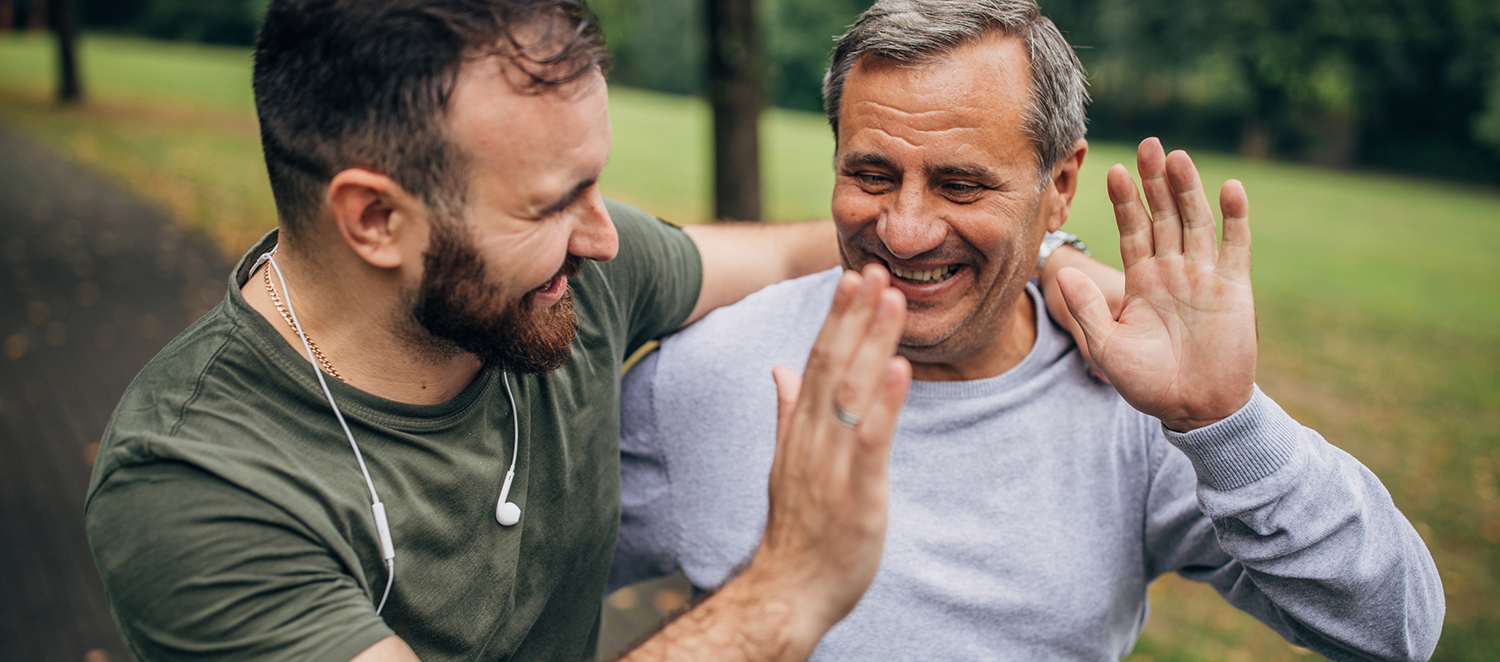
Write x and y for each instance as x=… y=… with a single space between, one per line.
x=994 y=355
x=349 y=312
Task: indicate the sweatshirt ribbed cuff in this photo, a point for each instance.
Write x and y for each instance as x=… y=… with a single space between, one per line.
x=1249 y=445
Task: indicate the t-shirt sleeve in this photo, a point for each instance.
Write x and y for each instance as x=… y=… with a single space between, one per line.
x=657 y=275
x=198 y=569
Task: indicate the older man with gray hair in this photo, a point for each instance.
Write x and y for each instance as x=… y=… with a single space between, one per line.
x=1029 y=506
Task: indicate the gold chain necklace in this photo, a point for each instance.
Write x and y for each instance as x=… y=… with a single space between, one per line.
x=317 y=353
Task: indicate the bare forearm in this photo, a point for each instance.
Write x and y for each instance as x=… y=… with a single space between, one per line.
x=741 y=258
x=1109 y=279
x=746 y=621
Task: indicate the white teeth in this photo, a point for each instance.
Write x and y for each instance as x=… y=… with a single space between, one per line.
x=927 y=276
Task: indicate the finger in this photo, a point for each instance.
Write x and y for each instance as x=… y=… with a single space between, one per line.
x=1234 y=262
x=1136 y=241
x=1083 y=348
x=788 y=386
x=1166 y=227
x=862 y=381
x=1197 y=217
x=872 y=453
x=1089 y=307
x=854 y=300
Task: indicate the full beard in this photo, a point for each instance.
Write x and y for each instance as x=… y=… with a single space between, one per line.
x=455 y=306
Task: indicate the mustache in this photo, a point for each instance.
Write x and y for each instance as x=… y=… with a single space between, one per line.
x=948 y=253
x=571 y=266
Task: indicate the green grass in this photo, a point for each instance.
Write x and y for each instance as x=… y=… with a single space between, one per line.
x=1379 y=297
x=661 y=158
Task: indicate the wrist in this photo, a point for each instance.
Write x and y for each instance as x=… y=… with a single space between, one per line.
x=777 y=611
x=1056 y=250
x=1250 y=444
x=751 y=619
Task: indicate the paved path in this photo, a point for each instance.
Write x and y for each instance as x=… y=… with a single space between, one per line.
x=92 y=284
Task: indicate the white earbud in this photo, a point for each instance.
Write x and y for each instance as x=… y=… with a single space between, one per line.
x=507 y=513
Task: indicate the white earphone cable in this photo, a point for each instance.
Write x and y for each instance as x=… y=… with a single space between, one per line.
x=382 y=525
x=515 y=444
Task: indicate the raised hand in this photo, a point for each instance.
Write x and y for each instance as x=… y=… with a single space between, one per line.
x=1183 y=347
x=826 y=527
x=828 y=490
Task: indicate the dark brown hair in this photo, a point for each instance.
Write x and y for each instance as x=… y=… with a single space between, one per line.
x=366 y=83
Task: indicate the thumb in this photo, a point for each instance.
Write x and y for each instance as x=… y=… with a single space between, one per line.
x=788 y=388
x=1089 y=307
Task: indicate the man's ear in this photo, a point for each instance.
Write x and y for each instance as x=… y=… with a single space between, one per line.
x=1065 y=182
x=374 y=215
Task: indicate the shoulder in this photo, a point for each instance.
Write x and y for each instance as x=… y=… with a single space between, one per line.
x=643 y=234
x=780 y=320
x=651 y=284
x=206 y=400
x=728 y=355
x=721 y=365
x=157 y=399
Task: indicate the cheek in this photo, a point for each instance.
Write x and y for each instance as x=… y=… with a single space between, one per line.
x=853 y=209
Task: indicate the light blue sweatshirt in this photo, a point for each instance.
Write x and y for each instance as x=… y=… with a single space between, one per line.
x=1029 y=511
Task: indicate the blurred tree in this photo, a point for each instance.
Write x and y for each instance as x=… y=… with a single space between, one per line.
x=799 y=41
x=36 y=16
x=1401 y=84
x=65 y=21
x=759 y=49
x=661 y=44
x=736 y=98
x=1487 y=125
x=210 y=21
x=657 y=44
x=110 y=14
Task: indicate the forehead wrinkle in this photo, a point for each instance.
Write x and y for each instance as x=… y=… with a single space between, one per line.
x=917 y=137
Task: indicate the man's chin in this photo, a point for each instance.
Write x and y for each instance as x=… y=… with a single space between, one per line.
x=537 y=338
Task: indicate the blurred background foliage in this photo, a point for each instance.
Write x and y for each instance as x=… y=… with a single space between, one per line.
x=1404 y=85
x=1401 y=85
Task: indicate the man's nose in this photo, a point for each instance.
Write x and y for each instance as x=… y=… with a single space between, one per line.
x=909 y=227
x=594 y=236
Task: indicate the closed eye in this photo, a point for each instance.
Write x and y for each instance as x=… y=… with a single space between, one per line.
x=872 y=182
x=962 y=192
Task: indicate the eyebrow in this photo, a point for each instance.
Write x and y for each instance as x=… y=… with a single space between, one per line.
x=967 y=171
x=567 y=199
x=978 y=172
x=853 y=159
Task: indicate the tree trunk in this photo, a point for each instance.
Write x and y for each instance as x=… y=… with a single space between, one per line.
x=1255 y=140
x=36 y=16
x=734 y=91
x=65 y=18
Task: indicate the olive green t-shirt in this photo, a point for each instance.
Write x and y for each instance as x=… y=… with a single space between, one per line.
x=230 y=521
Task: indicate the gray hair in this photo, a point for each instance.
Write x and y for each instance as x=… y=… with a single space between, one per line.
x=924 y=31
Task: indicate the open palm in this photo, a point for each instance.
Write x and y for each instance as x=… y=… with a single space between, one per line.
x=1183 y=348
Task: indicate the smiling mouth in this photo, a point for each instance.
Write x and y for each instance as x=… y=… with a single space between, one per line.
x=925 y=277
